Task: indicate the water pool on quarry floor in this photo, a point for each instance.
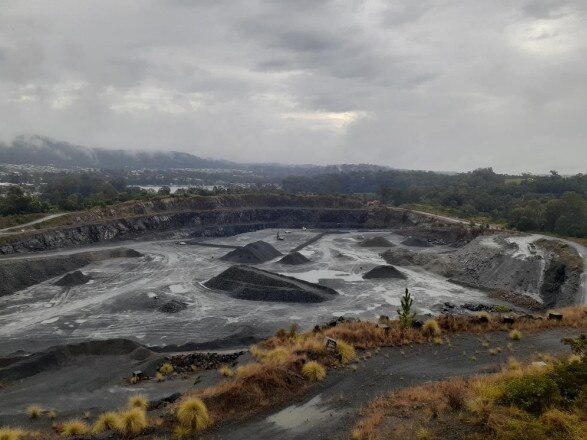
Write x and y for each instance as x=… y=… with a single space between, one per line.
x=125 y=297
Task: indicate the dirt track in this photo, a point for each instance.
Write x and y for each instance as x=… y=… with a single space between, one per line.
x=331 y=409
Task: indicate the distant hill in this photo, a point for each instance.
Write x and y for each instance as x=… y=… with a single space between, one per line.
x=38 y=150
x=43 y=151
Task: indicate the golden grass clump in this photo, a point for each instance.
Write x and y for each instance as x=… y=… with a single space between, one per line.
x=137 y=401
x=159 y=377
x=346 y=351
x=106 y=422
x=192 y=414
x=131 y=422
x=431 y=328
x=226 y=371
x=313 y=371
x=73 y=428
x=515 y=335
x=182 y=432
x=7 y=433
x=34 y=411
x=166 y=369
x=52 y=414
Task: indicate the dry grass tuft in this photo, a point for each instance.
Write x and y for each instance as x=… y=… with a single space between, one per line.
x=131 y=422
x=7 y=433
x=313 y=371
x=226 y=371
x=106 y=422
x=73 y=428
x=52 y=414
x=515 y=335
x=193 y=416
x=34 y=411
x=431 y=328
x=166 y=369
x=346 y=351
x=159 y=377
x=138 y=401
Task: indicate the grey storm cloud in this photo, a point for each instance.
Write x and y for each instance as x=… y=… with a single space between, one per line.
x=425 y=84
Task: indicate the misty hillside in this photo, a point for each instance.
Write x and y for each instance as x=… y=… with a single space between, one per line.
x=40 y=150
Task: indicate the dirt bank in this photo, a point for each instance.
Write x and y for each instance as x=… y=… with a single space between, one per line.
x=19 y=274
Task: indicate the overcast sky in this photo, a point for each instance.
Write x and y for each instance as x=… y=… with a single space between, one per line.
x=420 y=84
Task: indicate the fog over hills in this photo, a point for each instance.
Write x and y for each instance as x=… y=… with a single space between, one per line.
x=40 y=150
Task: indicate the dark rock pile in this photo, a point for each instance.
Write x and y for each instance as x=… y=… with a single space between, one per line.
x=173 y=306
x=416 y=242
x=294 y=258
x=376 y=242
x=252 y=253
x=250 y=283
x=386 y=271
x=203 y=361
x=72 y=279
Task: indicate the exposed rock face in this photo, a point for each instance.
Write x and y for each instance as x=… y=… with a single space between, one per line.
x=376 y=242
x=384 y=272
x=252 y=253
x=294 y=258
x=551 y=276
x=20 y=273
x=245 y=282
x=72 y=279
x=225 y=216
x=416 y=242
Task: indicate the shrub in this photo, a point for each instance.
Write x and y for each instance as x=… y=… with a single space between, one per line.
x=106 y=422
x=571 y=379
x=7 y=433
x=533 y=393
x=431 y=328
x=515 y=335
x=131 y=422
x=405 y=314
x=313 y=371
x=34 y=411
x=346 y=351
x=73 y=428
x=192 y=414
x=138 y=401
x=166 y=369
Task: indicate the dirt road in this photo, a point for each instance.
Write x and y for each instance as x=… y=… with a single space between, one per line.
x=331 y=409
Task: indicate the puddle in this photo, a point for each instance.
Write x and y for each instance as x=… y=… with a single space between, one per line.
x=302 y=417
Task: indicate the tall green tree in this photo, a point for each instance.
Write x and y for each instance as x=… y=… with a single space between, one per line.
x=406 y=316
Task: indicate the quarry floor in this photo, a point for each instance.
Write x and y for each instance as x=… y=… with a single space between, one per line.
x=124 y=296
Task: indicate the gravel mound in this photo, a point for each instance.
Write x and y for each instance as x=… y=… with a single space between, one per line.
x=245 y=282
x=384 y=272
x=72 y=279
x=173 y=306
x=294 y=258
x=252 y=253
x=61 y=355
x=376 y=242
x=416 y=242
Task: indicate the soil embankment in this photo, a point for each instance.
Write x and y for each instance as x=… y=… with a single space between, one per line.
x=19 y=274
x=245 y=282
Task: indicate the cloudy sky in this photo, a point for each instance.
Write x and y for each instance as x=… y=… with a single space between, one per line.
x=424 y=84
